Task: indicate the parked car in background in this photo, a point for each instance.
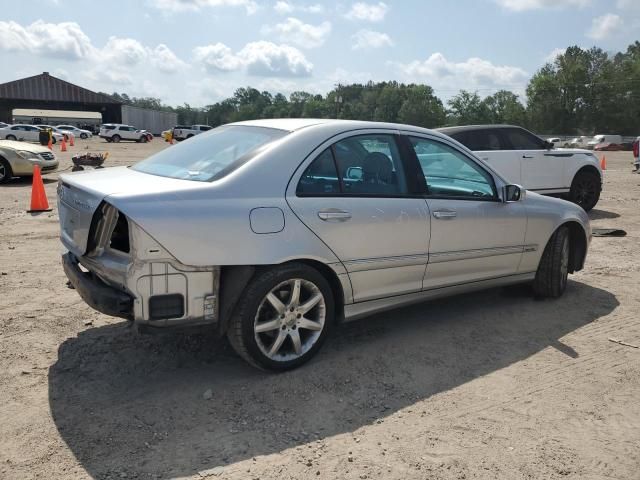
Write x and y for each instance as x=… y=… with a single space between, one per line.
x=270 y=231
x=557 y=142
x=67 y=135
x=28 y=133
x=3 y=125
x=17 y=159
x=526 y=159
x=114 y=132
x=184 y=133
x=78 y=132
x=608 y=147
x=578 y=142
x=600 y=139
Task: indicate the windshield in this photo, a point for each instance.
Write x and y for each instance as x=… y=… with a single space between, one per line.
x=211 y=155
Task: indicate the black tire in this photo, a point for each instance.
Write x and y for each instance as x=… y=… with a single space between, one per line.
x=585 y=190
x=83 y=136
x=11 y=137
x=253 y=302
x=115 y=138
x=553 y=270
x=5 y=171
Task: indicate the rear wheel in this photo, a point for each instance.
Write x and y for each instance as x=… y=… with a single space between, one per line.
x=585 y=190
x=11 y=137
x=553 y=270
x=115 y=138
x=282 y=317
x=5 y=171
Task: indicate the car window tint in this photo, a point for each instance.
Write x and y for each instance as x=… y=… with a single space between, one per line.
x=522 y=140
x=370 y=165
x=450 y=173
x=321 y=177
x=483 y=140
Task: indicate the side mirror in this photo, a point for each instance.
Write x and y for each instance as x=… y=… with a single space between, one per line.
x=549 y=145
x=512 y=193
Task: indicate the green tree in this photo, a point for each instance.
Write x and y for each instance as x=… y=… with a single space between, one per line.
x=467 y=108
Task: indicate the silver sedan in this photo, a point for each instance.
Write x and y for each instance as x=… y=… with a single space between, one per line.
x=272 y=231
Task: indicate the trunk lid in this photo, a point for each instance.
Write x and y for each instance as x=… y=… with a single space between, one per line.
x=80 y=195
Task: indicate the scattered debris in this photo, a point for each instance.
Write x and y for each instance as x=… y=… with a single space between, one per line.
x=208 y=394
x=615 y=340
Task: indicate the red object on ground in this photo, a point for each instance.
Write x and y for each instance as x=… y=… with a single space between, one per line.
x=39 y=202
x=603 y=163
x=608 y=147
x=63 y=145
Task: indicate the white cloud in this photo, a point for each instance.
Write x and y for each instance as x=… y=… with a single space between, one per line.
x=217 y=57
x=124 y=51
x=61 y=40
x=300 y=33
x=364 y=39
x=369 y=12
x=286 y=8
x=553 y=54
x=165 y=60
x=523 y=5
x=257 y=58
x=470 y=74
x=179 y=6
x=268 y=59
x=604 y=26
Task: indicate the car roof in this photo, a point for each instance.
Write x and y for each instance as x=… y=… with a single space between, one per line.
x=469 y=128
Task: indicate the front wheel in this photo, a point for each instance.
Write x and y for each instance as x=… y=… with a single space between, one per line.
x=83 y=136
x=553 y=270
x=282 y=317
x=5 y=171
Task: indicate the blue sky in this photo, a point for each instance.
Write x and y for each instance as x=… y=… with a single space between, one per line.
x=200 y=51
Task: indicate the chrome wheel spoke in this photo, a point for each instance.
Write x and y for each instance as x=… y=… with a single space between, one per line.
x=309 y=304
x=295 y=293
x=276 y=303
x=297 y=343
x=277 y=343
x=268 y=326
x=309 y=324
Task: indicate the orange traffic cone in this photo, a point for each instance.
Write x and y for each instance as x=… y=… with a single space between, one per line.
x=63 y=145
x=71 y=143
x=603 y=163
x=39 y=201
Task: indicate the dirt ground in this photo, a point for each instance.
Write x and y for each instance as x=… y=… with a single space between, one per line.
x=489 y=385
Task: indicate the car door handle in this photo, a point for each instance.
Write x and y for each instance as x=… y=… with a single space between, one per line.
x=527 y=156
x=442 y=214
x=334 y=215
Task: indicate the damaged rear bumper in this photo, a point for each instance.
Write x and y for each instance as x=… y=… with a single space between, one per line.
x=97 y=294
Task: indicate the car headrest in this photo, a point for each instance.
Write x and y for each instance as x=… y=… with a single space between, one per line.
x=377 y=166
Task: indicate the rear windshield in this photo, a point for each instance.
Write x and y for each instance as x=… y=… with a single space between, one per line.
x=211 y=155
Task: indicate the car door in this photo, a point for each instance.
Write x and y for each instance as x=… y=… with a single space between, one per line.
x=474 y=235
x=354 y=193
x=489 y=144
x=128 y=132
x=542 y=168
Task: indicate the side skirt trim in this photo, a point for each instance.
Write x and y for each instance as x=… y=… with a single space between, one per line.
x=362 y=309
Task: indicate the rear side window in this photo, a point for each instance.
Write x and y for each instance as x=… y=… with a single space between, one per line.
x=523 y=140
x=363 y=165
x=483 y=140
x=108 y=127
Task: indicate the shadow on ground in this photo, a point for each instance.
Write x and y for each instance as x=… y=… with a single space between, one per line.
x=136 y=405
x=596 y=214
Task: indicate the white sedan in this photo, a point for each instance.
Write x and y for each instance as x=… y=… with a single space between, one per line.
x=78 y=132
x=29 y=133
x=68 y=134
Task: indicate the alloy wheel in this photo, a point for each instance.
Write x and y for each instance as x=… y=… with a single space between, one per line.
x=586 y=191
x=290 y=320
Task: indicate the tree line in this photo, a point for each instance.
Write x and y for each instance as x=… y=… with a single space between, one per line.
x=581 y=92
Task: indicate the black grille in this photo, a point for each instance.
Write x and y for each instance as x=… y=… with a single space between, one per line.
x=47 y=156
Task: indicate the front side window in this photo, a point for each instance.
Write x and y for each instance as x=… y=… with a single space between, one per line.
x=484 y=140
x=523 y=140
x=212 y=155
x=449 y=173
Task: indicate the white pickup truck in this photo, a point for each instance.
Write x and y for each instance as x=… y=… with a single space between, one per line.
x=526 y=159
x=184 y=133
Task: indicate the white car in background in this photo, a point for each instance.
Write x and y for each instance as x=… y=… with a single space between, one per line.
x=28 y=133
x=600 y=139
x=114 y=132
x=184 y=133
x=78 y=132
x=69 y=135
x=526 y=159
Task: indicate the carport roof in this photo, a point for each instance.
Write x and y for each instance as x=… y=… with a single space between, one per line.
x=44 y=87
